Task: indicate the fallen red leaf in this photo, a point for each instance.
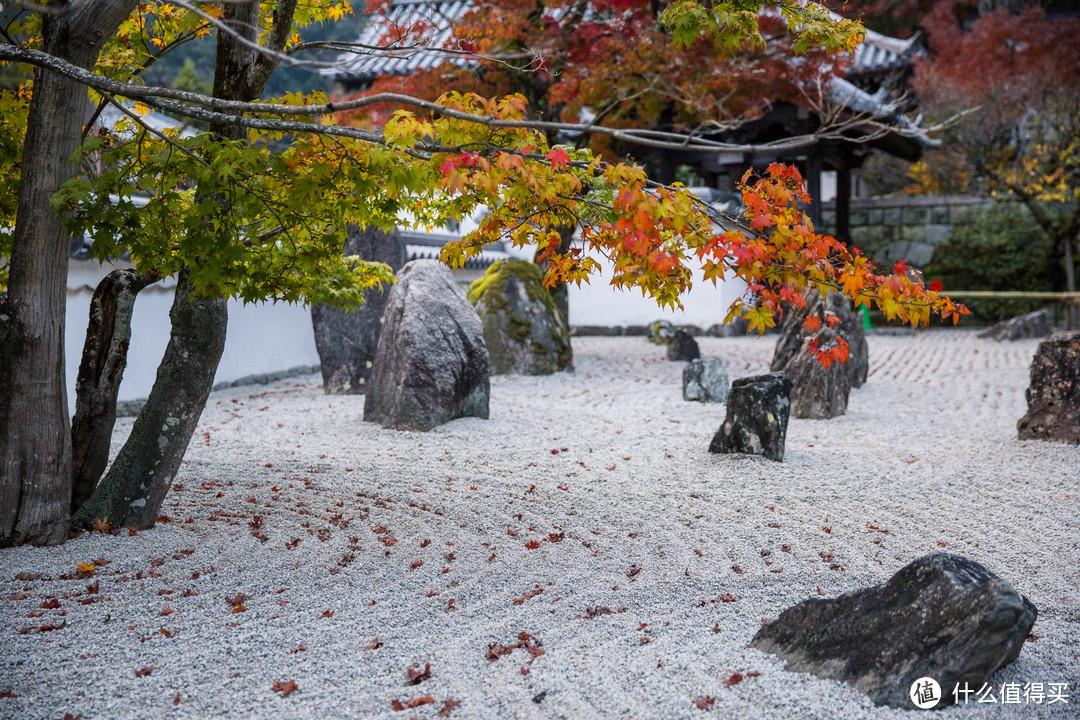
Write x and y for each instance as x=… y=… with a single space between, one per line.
x=375 y=644
x=328 y=613
x=734 y=679
x=176 y=700
x=704 y=702
x=285 y=687
x=447 y=706
x=532 y=545
x=145 y=671
x=415 y=676
x=9 y=694
x=50 y=604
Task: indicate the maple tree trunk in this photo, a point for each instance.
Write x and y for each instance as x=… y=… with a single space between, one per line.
x=100 y=372
x=131 y=493
x=133 y=490
x=35 y=444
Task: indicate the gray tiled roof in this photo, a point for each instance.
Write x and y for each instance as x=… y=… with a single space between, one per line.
x=876 y=54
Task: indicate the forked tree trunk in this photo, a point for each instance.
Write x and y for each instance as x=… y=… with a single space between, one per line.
x=133 y=490
x=131 y=493
x=100 y=372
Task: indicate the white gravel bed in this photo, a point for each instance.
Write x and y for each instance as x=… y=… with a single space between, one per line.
x=414 y=548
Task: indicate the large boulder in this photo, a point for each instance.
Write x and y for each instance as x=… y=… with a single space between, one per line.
x=757 y=417
x=817 y=392
x=943 y=617
x=1053 y=396
x=431 y=365
x=1022 y=327
x=682 y=346
x=524 y=330
x=346 y=339
x=705 y=380
x=793 y=335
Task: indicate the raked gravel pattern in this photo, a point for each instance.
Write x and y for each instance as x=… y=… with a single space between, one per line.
x=386 y=549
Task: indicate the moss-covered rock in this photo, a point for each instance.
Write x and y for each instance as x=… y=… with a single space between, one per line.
x=524 y=331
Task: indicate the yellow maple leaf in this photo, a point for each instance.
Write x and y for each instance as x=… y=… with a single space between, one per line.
x=84 y=567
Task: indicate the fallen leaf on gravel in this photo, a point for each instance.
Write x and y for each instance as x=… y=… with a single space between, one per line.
x=84 y=567
x=415 y=676
x=416 y=564
x=167 y=633
x=734 y=679
x=738 y=569
x=27 y=577
x=9 y=694
x=328 y=613
x=705 y=702
x=634 y=570
x=168 y=610
x=101 y=525
x=145 y=671
x=298 y=649
x=42 y=628
x=375 y=644
x=447 y=706
x=285 y=687
x=50 y=604
x=410 y=704
x=753 y=673
x=525 y=670
x=532 y=545
x=176 y=700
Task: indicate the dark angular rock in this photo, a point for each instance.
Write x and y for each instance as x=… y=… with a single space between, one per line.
x=736 y=328
x=757 y=417
x=431 y=365
x=1022 y=327
x=705 y=380
x=1053 y=396
x=682 y=346
x=817 y=392
x=524 y=331
x=660 y=332
x=346 y=339
x=943 y=616
x=595 y=331
x=793 y=335
x=692 y=330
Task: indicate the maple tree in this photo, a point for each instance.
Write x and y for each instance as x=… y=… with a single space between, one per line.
x=1015 y=74
x=236 y=218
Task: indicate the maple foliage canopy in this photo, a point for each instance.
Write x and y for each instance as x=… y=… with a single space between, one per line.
x=437 y=163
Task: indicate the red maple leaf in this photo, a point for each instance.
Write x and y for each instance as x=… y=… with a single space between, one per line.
x=285 y=687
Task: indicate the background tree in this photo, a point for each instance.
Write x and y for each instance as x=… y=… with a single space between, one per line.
x=1017 y=73
x=254 y=222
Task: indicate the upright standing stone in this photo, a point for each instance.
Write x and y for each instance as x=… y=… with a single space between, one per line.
x=346 y=339
x=682 y=346
x=1053 y=396
x=705 y=380
x=793 y=335
x=757 y=417
x=817 y=392
x=431 y=365
x=943 y=616
x=524 y=331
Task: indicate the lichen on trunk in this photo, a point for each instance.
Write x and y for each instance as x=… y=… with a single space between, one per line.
x=132 y=491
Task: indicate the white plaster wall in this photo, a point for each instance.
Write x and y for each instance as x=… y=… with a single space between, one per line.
x=262 y=337
x=597 y=303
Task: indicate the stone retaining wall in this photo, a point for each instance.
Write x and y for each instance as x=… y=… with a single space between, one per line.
x=905 y=227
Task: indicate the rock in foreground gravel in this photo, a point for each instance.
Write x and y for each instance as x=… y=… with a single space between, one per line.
x=943 y=616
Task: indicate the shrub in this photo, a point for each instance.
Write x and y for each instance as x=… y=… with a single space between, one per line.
x=1000 y=247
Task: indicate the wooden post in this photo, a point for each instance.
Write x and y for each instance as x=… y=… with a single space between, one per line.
x=843 y=203
x=813 y=184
